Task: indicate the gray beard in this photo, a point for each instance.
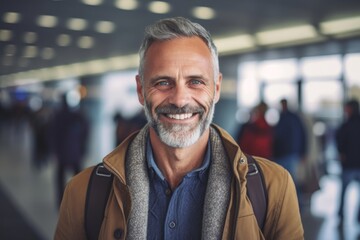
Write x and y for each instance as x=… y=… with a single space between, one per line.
x=179 y=135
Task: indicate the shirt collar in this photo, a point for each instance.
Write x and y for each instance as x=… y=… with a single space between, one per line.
x=152 y=164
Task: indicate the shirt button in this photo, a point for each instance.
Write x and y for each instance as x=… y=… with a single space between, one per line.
x=118 y=233
x=172 y=224
x=168 y=192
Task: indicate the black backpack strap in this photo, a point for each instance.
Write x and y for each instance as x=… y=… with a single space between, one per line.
x=256 y=190
x=96 y=199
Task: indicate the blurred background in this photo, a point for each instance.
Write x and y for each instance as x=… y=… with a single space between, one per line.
x=68 y=93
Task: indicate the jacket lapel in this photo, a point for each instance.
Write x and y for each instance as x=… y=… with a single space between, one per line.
x=137 y=179
x=218 y=190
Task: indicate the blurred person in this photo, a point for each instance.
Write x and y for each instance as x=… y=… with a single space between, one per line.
x=290 y=141
x=69 y=139
x=256 y=136
x=124 y=126
x=181 y=176
x=121 y=130
x=310 y=171
x=347 y=142
x=40 y=123
x=138 y=121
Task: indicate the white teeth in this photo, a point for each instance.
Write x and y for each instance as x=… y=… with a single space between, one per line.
x=180 y=116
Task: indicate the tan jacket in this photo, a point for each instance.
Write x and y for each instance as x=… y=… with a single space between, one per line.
x=282 y=222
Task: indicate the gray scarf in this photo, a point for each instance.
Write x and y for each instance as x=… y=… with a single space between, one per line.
x=217 y=192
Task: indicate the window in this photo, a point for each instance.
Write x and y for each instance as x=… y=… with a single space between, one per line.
x=323 y=67
x=248 y=85
x=273 y=93
x=352 y=66
x=322 y=98
x=284 y=70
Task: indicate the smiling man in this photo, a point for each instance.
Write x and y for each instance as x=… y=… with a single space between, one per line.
x=181 y=177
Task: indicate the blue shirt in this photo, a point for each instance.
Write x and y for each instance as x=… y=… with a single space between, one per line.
x=176 y=214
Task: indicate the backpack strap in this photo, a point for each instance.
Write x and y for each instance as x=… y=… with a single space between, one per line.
x=256 y=190
x=96 y=199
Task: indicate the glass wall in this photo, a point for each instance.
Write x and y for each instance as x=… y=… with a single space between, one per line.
x=315 y=86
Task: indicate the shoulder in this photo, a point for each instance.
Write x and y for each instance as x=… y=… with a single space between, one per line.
x=71 y=214
x=281 y=194
x=75 y=191
x=275 y=176
x=81 y=179
x=268 y=165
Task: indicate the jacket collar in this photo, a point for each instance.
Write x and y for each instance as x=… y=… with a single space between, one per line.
x=115 y=160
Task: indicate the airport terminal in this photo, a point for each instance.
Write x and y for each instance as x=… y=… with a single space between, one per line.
x=81 y=57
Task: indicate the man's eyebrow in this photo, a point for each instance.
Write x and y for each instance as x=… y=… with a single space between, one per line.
x=199 y=77
x=196 y=76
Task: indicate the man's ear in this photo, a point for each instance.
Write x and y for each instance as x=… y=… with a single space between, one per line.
x=139 y=89
x=218 y=88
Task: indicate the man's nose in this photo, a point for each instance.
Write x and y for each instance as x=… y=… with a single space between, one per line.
x=180 y=96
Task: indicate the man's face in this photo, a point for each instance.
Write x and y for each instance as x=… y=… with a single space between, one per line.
x=179 y=90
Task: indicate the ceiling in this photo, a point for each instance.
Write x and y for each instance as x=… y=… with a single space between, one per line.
x=24 y=45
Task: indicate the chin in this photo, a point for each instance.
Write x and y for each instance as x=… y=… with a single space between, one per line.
x=180 y=139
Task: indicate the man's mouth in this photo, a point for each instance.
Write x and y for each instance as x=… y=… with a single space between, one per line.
x=181 y=116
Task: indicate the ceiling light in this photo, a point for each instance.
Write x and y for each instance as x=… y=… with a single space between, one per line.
x=60 y=72
x=340 y=25
x=159 y=7
x=47 y=53
x=127 y=4
x=86 y=42
x=11 y=17
x=63 y=40
x=76 y=24
x=5 y=35
x=10 y=50
x=234 y=43
x=77 y=69
x=123 y=62
x=97 y=66
x=92 y=2
x=284 y=35
x=71 y=70
x=30 y=51
x=205 y=13
x=30 y=37
x=46 y=74
x=105 y=27
x=47 y=21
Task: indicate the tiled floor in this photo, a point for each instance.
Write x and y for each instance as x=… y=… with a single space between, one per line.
x=32 y=192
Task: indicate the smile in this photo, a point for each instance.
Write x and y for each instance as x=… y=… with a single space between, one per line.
x=180 y=116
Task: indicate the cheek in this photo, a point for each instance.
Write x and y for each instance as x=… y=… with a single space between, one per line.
x=153 y=98
x=206 y=98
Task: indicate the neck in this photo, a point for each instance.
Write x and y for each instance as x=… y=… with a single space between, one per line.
x=175 y=163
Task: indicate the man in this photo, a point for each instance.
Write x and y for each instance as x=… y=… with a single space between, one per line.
x=181 y=177
x=290 y=141
x=69 y=133
x=349 y=151
x=256 y=135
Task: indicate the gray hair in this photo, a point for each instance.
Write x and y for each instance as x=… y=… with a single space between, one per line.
x=171 y=28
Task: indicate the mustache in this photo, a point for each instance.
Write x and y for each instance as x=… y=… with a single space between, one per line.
x=172 y=109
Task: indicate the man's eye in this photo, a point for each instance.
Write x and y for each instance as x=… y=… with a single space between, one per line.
x=196 y=82
x=162 y=83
